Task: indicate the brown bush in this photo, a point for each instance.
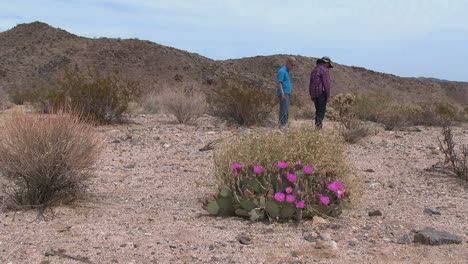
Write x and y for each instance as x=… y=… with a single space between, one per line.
x=457 y=160
x=46 y=158
x=238 y=99
x=185 y=104
x=352 y=129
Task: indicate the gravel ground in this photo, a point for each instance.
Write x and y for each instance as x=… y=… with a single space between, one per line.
x=144 y=206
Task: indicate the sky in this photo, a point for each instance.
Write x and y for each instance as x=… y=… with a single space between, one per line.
x=408 y=38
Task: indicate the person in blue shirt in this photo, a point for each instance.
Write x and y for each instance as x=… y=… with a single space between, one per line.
x=283 y=91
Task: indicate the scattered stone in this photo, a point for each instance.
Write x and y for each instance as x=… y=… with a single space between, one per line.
x=310 y=238
x=317 y=220
x=130 y=166
x=294 y=254
x=352 y=242
x=211 y=247
x=412 y=129
x=405 y=239
x=369 y=170
x=430 y=236
x=375 y=213
x=210 y=133
x=167 y=145
x=431 y=212
x=244 y=240
x=172 y=246
x=367 y=228
x=116 y=141
x=327 y=245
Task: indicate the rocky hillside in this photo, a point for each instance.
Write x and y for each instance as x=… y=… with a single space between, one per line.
x=33 y=55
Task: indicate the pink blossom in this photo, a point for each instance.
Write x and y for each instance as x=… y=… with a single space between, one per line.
x=291 y=177
x=290 y=198
x=236 y=166
x=300 y=204
x=332 y=187
x=324 y=200
x=299 y=192
x=339 y=185
x=282 y=165
x=289 y=190
x=257 y=170
x=298 y=163
x=308 y=170
x=339 y=194
x=279 y=197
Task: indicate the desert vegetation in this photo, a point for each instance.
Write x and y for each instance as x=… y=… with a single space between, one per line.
x=46 y=159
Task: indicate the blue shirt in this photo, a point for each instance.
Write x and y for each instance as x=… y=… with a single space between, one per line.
x=283 y=78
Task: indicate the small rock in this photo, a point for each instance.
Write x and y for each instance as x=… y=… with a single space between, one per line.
x=294 y=254
x=375 y=213
x=317 y=220
x=327 y=245
x=430 y=211
x=244 y=240
x=211 y=247
x=405 y=239
x=369 y=170
x=210 y=133
x=310 y=238
x=167 y=145
x=130 y=166
x=352 y=242
x=430 y=236
x=116 y=141
x=172 y=246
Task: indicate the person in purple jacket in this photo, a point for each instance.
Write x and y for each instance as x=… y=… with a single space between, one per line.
x=319 y=88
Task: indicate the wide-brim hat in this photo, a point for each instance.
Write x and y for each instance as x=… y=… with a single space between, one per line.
x=325 y=59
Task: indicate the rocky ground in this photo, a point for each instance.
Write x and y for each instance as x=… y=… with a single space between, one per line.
x=143 y=206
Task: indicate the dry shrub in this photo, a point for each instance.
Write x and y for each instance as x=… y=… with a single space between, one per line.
x=352 y=129
x=151 y=104
x=185 y=104
x=457 y=160
x=320 y=149
x=243 y=101
x=46 y=159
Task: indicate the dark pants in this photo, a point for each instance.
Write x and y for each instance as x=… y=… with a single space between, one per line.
x=284 y=111
x=320 y=109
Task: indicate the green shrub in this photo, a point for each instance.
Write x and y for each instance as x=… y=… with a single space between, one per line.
x=185 y=104
x=241 y=100
x=46 y=159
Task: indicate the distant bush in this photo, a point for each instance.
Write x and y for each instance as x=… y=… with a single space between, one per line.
x=319 y=150
x=457 y=159
x=352 y=129
x=185 y=104
x=241 y=100
x=151 y=103
x=46 y=159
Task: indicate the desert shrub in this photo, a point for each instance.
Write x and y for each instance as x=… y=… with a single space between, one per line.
x=46 y=159
x=321 y=150
x=352 y=129
x=19 y=96
x=151 y=104
x=185 y=104
x=102 y=98
x=457 y=160
x=282 y=192
x=238 y=99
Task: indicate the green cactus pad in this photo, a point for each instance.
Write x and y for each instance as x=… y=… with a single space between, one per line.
x=242 y=212
x=287 y=212
x=257 y=214
x=248 y=204
x=272 y=209
x=212 y=208
x=225 y=192
x=225 y=203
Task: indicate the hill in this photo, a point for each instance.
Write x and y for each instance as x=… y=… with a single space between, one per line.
x=34 y=54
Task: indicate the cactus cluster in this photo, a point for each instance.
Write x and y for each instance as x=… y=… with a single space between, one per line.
x=279 y=193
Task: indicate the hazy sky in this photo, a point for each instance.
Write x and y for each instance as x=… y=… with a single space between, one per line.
x=403 y=37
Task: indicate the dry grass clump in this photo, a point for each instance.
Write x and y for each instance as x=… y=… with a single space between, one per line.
x=46 y=159
x=457 y=160
x=151 y=104
x=321 y=150
x=352 y=129
x=240 y=100
x=185 y=104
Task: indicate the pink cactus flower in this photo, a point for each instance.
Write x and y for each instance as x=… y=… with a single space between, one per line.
x=298 y=192
x=332 y=187
x=282 y=165
x=308 y=170
x=339 y=194
x=324 y=200
x=291 y=177
x=339 y=185
x=290 y=198
x=300 y=204
x=279 y=197
x=236 y=166
x=257 y=170
x=289 y=190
